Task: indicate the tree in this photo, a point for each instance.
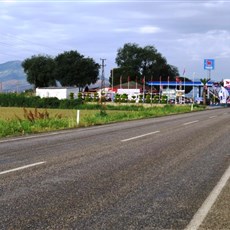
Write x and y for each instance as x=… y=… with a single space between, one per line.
x=136 y=62
x=204 y=81
x=73 y=69
x=40 y=70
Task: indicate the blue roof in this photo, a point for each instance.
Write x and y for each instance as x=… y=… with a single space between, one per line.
x=174 y=83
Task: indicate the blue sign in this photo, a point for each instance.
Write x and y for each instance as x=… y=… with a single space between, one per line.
x=209 y=64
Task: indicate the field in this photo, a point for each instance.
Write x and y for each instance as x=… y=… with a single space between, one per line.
x=10 y=113
x=19 y=121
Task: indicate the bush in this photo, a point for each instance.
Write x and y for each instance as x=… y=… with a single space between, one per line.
x=21 y=100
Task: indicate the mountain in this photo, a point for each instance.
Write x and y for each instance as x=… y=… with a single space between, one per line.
x=12 y=77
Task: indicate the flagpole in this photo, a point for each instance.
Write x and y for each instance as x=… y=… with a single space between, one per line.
x=151 y=90
x=160 y=92
x=184 y=85
x=168 y=90
x=143 y=89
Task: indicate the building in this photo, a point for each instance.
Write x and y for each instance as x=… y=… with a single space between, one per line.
x=58 y=92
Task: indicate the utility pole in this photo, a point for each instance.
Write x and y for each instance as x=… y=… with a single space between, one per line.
x=102 y=77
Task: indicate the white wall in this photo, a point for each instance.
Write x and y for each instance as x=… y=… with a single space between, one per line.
x=60 y=93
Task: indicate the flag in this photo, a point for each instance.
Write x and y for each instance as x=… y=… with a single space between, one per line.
x=143 y=80
x=161 y=87
x=177 y=79
x=184 y=71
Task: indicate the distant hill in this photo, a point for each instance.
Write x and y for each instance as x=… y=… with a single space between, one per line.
x=12 y=77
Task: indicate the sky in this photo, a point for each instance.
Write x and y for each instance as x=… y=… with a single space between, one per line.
x=184 y=32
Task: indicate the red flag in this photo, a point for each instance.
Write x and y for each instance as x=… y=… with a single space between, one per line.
x=143 y=80
x=177 y=79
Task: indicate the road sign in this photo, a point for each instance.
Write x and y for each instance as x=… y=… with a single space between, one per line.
x=209 y=64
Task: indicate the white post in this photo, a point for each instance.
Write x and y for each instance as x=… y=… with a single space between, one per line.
x=78 y=117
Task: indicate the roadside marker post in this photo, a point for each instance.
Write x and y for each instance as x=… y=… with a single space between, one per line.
x=78 y=117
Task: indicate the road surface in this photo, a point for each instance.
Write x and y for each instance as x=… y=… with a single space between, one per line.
x=146 y=174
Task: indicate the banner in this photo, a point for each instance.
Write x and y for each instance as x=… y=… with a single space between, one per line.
x=227 y=83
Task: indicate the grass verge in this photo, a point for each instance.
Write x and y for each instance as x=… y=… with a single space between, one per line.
x=19 y=121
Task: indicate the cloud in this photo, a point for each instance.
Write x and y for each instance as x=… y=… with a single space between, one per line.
x=184 y=32
x=139 y=30
x=149 y=30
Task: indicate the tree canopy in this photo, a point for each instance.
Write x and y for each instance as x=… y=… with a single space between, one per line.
x=73 y=69
x=69 y=68
x=137 y=62
x=40 y=70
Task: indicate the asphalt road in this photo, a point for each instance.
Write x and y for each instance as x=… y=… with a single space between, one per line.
x=146 y=174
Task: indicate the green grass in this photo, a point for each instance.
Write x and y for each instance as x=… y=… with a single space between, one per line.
x=18 y=121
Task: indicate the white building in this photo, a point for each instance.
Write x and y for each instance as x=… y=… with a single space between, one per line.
x=59 y=92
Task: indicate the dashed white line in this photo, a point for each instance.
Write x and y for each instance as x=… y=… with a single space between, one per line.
x=22 y=167
x=202 y=212
x=143 y=135
x=191 y=122
x=212 y=117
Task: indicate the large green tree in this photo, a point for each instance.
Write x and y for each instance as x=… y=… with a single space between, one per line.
x=40 y=70
x=73 y=69
x=138 y=62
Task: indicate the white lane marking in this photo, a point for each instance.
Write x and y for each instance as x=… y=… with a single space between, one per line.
x=29 y=137
x=191 y=122
x=22 y=167
x=202 y=212
x=212 y=117
x=136 y=137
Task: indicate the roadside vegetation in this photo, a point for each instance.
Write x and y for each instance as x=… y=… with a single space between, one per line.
x=16 y=121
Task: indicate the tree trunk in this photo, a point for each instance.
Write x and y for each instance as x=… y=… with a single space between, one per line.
x=204 y=95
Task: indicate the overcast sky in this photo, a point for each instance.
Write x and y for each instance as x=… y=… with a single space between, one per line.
x=184 y=32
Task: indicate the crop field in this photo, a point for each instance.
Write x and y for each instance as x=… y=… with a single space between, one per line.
x=10 y=113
